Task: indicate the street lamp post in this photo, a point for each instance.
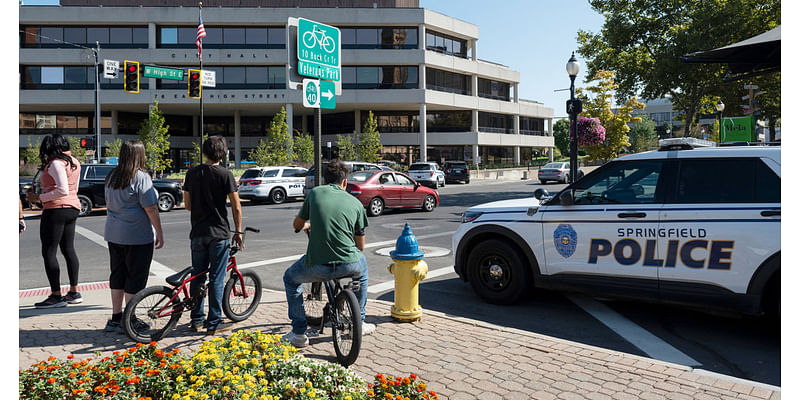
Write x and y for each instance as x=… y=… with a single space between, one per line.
x=720 y=109
x=573 y=67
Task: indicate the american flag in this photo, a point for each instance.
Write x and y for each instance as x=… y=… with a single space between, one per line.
x=201 y=33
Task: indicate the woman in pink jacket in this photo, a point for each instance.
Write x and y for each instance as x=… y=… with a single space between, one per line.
x=59 y=174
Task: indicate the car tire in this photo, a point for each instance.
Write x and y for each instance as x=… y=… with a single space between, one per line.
x=277 y=196
x=466 y=182
x=166 y=202
x=498 y=272
x=444 y=183
x=86 y=206
x=375 y=207
x=429 y=203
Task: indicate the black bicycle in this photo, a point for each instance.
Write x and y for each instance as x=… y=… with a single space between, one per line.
x=155 y=310
x=339 y=308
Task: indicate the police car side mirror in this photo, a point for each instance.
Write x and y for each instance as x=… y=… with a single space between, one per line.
x=565 y=198
x=539 y=193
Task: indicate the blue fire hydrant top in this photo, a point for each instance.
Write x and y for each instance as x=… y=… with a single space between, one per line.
x=406 y=247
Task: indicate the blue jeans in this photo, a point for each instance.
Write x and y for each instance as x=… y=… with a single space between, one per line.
x=300 y=273
x=214 y=252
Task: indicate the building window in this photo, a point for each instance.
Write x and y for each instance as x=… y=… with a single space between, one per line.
x=69 y=78
x=445 y=81
x=343 y=123
x=531 y=126
x=448 y=121
x=66 y=124
x=113 y=37
x=170 y=37
x=374 y=77
x=496 y=156
x=495 y=123
x=394 y=121
x=379 y=38
x=494 y=90
x=441 y=43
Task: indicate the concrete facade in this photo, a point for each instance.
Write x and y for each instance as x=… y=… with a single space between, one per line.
x=241 y=103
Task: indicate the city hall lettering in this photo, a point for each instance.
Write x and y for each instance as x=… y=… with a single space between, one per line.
x=696 y=252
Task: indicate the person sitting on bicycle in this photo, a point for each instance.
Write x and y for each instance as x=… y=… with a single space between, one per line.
x=334 y=249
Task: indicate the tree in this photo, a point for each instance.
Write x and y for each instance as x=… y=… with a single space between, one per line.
x=303 y=148
x=561 y=135
x=197 y=150
x=30 y=154
x=155 y=137
x=643 y=135
x=113 y=148
x=616 y=125
x=642 y=41
x=347 y=150
x=369 y=150
x=276 y=149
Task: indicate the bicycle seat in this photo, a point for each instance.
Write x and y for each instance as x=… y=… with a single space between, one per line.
x=177 y=278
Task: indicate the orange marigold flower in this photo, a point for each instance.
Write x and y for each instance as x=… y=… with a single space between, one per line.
x=176 y=351
x=370 y=393
x=70 y=357
x=51 y=358
x=153 y=343
x=51 y=380
x=413 y=376
x=388 y=396
x=398 y=397
x=159 y=353
x=406 y=381
x=83 y=373
x=115 y=353
x=132 y=349
x=120 y=359
x=115 y=388
x=72 y=374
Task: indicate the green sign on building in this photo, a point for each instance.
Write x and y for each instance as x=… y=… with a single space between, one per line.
x=318 y=50
x=163 y=73
x=738 y=129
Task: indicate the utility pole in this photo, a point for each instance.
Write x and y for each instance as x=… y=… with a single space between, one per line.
x=98 y=142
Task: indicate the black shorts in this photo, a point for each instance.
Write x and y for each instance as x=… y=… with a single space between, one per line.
x=130 y=266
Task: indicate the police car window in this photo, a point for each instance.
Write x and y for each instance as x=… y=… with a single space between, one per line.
x=250 y=173
x=292 y=173
x=270 y=173
x=622 y=183
x=716 y=181
x=768 y=185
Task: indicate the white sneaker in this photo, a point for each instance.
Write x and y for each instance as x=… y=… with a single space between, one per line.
x=298 y=341
x=367 y=328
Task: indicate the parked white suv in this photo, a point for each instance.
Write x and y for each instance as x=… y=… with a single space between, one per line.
x=427 y=173
x=693 y=226
x=272 y=183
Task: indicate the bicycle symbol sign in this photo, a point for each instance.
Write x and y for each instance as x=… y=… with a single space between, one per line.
x=318 y=50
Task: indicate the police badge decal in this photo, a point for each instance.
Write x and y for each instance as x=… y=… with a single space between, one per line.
x=566 y=240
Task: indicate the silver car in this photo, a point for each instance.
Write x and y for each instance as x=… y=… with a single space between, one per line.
x=556 y=171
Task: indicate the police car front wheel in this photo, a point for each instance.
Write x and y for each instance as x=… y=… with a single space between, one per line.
x=497 y=272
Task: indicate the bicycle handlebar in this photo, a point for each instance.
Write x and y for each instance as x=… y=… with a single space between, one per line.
x=247 y=228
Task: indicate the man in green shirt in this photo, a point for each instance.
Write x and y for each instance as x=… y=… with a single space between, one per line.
x=334 y=250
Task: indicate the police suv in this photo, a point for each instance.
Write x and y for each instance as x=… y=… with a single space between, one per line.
x=684 y=224
x=272 y=183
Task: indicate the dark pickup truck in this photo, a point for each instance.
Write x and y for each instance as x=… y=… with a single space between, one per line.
x=91 y=190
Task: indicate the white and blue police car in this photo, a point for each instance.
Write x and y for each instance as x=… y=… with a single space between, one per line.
x=275 y=184
x=683 y=224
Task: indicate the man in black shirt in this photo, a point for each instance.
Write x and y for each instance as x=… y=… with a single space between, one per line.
x=206 y=189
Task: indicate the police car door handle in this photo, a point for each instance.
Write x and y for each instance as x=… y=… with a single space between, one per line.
x=770 y=213
x=632 y=215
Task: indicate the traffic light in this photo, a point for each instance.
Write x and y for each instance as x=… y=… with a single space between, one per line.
x=87 y=142
x=131 y=76
x=194 y=84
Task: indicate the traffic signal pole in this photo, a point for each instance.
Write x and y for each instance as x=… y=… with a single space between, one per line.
x=98 y=143
x=318 y=148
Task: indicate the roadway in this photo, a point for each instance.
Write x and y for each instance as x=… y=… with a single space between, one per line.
x=739 y=346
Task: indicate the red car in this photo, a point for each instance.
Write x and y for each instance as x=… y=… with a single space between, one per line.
x=379 y=190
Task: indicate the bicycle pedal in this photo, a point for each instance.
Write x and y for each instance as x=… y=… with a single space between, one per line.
x=353 y=286
x=312 y=333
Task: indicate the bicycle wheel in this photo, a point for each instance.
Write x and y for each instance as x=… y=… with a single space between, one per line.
x=314 y=299
x=235 y=305
x=150 y=315
x=347 y=328
x=328 y=44
x=309 y=40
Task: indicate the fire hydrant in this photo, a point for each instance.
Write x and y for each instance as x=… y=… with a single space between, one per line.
x=408 y=269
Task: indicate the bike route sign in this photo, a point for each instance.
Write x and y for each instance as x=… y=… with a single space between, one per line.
x=318 y=50
x=318 y=94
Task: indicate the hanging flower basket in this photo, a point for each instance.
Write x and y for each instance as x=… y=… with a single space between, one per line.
x=590 y=132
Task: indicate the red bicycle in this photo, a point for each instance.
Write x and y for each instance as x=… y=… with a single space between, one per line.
x=154 y=311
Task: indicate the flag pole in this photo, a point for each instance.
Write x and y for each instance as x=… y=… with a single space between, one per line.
x=200 y=55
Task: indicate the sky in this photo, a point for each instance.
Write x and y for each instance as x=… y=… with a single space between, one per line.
x=533 y=37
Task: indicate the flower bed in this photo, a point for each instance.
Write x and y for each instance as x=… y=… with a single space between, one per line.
x=247 y=365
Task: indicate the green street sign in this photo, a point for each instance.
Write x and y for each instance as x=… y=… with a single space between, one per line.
x=327 y=94
x=163 y=73
x=318 y=50
x=738 y=129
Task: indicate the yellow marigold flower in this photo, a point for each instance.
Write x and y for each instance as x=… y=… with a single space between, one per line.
x=187 y=398
x=348 y=397
x=263 y=381
x=176 y=396
x=213 y=391
x=192 y=378
x=302 y=390
x=260 y=373
x=240 y=387
x=179 y=379
x=245 y=396
x=226 y=388
x=204 y=396
x=288 y=386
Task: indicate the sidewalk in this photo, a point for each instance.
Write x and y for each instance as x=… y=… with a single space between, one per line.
x=456 y=357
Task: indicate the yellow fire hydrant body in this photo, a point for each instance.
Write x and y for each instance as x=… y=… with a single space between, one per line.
x=408 y=269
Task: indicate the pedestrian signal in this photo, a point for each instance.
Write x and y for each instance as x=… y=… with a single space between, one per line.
x=87 y=142
x=131 y=76
x=195 y=90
